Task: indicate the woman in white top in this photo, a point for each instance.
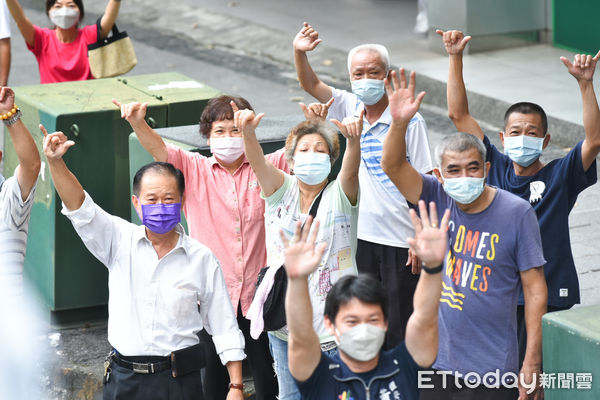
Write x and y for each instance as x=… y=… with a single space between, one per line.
x=311 y=149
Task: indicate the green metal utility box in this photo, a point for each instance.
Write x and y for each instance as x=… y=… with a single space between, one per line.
x=68 y=278
x=571 y=341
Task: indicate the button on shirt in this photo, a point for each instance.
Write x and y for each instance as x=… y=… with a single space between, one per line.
x=225 y=213
x=14 y=224
x=158 y=306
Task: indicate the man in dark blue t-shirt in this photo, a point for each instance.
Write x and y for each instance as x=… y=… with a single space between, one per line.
x=356 y=314
x=494 y=250
x=551 y=189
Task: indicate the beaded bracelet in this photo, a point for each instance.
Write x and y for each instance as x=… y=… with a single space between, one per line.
x=13 y=118
x=9 y=114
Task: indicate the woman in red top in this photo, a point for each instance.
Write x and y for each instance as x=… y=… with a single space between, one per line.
x=62 y=52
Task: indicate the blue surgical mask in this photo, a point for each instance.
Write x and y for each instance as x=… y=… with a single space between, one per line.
x=369 y=91
x=161 y=218
x=312 y=168
x=522 y=149
x=464 y=190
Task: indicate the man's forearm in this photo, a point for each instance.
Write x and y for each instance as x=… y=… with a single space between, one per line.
x=307 y=77
x=535 y=308
x=68 y=187
x=298 y=310
x=234 y=369
x=456 y=92
x=591 y=113
x=25 y=147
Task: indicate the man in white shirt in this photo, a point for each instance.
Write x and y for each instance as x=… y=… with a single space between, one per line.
x=164 y=287
x=17 y=347
x=383 y=220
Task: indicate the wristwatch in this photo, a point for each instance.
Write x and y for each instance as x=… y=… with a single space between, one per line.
x=433 y=270
x=239 y=386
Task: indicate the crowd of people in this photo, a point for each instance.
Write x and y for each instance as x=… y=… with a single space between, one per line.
x=399 y=264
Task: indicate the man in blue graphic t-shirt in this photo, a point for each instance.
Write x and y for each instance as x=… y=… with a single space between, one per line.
x=494 y=249
x=551 y=189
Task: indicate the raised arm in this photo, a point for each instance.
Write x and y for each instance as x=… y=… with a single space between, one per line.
x=301 y=259
x=458 y=106
x=429 y=244
x=29 y=158
x=5 y=59
x=535 y=294
x=135 y=114
x=23 y=23
x=68 y=187
x=403 y=106
x=269 y=177
x=109 y=18
x=351 y=128
x=306 y=40
x=582 y=69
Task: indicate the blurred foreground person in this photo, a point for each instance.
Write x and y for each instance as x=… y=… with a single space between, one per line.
x=356 y=315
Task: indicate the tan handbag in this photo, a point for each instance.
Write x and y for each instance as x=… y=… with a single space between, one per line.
x=111 y=56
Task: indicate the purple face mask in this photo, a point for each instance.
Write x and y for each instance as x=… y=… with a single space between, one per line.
x=161 y=218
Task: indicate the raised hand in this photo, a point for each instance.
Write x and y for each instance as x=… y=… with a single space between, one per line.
x=55 y=144
x=245 y=120
x=132 y=112
x=351 y=127
x=583 y=66
x=307 y=39
x=430 y=241
x=403 y=104
x=302 y=257
x=316 y=111
x=454 y=41
x=7 y=99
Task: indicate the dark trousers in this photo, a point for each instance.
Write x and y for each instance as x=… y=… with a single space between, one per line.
x=388 y=265
x=453 y=392
x=522 y=329
x=124 y=384
x=216 y=378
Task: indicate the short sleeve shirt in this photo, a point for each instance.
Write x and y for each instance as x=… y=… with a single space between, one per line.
x=63 y=62
x=226 y=213
x=383 y=216
x=14 y=225
x=481 y=280
x=552 y=192
x=395 y=377
x=337 y=218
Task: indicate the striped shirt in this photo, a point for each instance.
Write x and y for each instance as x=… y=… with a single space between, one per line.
x=383 y=216
x=14 y=224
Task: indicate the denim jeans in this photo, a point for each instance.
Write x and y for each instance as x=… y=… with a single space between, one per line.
x=288 y=390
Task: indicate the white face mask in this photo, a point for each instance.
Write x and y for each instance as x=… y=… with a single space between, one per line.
x=64 y=17
x=227 y=149
x=361 y=342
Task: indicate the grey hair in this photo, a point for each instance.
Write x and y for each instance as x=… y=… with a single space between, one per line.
x=323 y=128
x=376 y=48
x=459 y=142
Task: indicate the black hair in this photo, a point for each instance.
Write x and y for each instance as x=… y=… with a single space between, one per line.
x=363 y=287
x=161 y=168
x=527 y=108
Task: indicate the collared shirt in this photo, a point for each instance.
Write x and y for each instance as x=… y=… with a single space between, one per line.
x=225 y=213
x=14 y=225
x=383 y=215
x=157 y=306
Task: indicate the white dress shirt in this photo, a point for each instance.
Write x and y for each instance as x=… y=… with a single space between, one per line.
x=158 y=306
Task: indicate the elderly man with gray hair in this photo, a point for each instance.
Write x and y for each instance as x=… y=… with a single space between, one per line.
x=494 y=249
x=383 y=223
